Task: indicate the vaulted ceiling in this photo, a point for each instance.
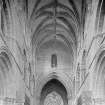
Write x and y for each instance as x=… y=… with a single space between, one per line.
x=48 y=19
x=61 y=19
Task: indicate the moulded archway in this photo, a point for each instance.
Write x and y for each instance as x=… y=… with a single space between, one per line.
x=63 y=78
x=54 y=92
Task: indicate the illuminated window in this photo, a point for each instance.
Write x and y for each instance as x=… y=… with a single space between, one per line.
x=53 y=60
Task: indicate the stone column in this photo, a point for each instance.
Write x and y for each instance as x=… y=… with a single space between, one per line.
x=83 y=67
x=77 y=80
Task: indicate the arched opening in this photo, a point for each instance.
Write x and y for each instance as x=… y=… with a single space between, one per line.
x=53 y=92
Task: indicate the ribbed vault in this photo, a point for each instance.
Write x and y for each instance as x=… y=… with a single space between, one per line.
x=54 y=18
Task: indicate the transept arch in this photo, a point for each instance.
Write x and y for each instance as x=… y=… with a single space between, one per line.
x=56 y=88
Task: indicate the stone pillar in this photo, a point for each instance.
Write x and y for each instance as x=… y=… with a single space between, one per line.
x=77 y=80
x=83 y=67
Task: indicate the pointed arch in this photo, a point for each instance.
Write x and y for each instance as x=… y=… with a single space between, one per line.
x=54 y=85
